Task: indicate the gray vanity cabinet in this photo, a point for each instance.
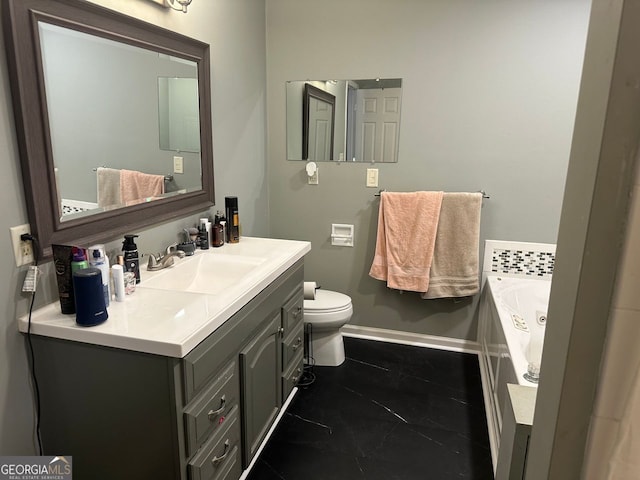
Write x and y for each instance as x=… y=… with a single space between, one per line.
x=131 y=415
x=260 y=371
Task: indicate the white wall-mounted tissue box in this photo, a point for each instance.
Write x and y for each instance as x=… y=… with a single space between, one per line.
x=342 y=235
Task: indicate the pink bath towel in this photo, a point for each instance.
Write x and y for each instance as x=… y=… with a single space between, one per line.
x=407 y=226
x=135 y=186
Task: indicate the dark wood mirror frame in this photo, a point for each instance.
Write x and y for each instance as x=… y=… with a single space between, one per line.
x=20 y=19
x=313 y=92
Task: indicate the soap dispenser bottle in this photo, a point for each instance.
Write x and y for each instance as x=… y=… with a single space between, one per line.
x=131 y=259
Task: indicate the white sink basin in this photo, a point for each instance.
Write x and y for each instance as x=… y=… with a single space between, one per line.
x=208 y=273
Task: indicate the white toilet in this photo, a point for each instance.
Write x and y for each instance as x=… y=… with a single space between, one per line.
x=325 y=316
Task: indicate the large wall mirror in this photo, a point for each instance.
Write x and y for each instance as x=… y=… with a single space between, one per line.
x=105 y=106
x=344 y=120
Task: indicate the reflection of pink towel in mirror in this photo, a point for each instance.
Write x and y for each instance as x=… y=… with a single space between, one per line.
x=136 y=185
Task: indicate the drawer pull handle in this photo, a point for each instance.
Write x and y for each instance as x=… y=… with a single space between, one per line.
x=214 y=413
x=297 y=345
x=216 y=460
x=297 y=313
x=295 y=379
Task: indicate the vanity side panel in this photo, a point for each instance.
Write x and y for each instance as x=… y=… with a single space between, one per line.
x=113 y=410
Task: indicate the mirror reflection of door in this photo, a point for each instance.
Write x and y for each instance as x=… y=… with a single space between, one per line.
x=320 y=118
x=352 y=108
x=378 y=125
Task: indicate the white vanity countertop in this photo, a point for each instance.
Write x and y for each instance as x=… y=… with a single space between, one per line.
x=169 y=322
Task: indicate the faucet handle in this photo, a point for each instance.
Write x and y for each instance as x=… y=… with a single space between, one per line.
x=153 y=261
x=172 y=248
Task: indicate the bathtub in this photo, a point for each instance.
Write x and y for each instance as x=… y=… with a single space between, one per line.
x=511 y=325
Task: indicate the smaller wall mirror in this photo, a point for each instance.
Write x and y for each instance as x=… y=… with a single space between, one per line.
x=344 y=120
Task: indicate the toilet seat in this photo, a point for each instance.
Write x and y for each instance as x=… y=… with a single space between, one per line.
x=327 y=301
x=329 y=311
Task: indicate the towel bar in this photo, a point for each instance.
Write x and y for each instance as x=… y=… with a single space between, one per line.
x=484 y=194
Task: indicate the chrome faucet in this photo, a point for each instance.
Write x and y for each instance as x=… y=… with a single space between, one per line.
x=163 y=261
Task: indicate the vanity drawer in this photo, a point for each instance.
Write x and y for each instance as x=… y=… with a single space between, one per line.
x=293 y=344
x=291 y=377
x=208 y=410
x=219 y=458
x=293 y=311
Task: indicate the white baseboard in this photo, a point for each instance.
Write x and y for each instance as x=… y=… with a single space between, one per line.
x=283 y=410
x=409 y=338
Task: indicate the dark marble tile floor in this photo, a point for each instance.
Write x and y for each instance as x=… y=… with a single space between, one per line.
x=389 y=412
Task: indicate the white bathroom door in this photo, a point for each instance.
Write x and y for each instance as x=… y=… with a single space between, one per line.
x=378 y=123
x=320 y=118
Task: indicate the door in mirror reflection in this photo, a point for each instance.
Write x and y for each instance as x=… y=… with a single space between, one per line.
x=377 y=124
x=365 y=120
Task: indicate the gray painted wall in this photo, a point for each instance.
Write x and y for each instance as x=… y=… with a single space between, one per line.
x=489 y=100
x=235 y=29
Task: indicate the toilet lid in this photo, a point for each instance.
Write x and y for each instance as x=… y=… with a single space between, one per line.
x=327 y=301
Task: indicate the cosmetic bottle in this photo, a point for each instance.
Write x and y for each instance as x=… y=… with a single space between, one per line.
x=79 y=261
x=131 y=259
x=217 y=232
x=99 y=260
x=62 y=256
x=233 y=225
x=222 y=221
x=118 y=282
x=203 y=238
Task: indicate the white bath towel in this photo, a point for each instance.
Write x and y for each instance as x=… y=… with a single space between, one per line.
x=454 y=269
x=108 y=186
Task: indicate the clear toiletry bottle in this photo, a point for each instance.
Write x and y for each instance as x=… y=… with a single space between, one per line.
x=131 y=259
x=98 y=259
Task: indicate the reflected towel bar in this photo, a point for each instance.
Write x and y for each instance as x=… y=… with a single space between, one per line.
x=167 y=178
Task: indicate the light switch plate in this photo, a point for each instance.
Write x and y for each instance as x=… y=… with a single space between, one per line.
x=372 y=177
x=178 y=165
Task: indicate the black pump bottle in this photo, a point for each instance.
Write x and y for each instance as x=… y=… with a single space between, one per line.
x=131 y=260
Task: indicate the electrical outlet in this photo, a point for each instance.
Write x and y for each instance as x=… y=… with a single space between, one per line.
x=178 y=165
x=22 y=250
x=372 y=177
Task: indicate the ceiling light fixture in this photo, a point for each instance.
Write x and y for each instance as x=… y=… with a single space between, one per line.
x=180 y=5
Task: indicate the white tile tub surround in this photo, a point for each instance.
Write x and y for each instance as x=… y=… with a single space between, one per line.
x=518 y=259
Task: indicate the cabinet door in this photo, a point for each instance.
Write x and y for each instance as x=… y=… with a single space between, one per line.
x=260 y=364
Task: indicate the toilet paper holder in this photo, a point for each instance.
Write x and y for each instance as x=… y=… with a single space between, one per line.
x=342 y=234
